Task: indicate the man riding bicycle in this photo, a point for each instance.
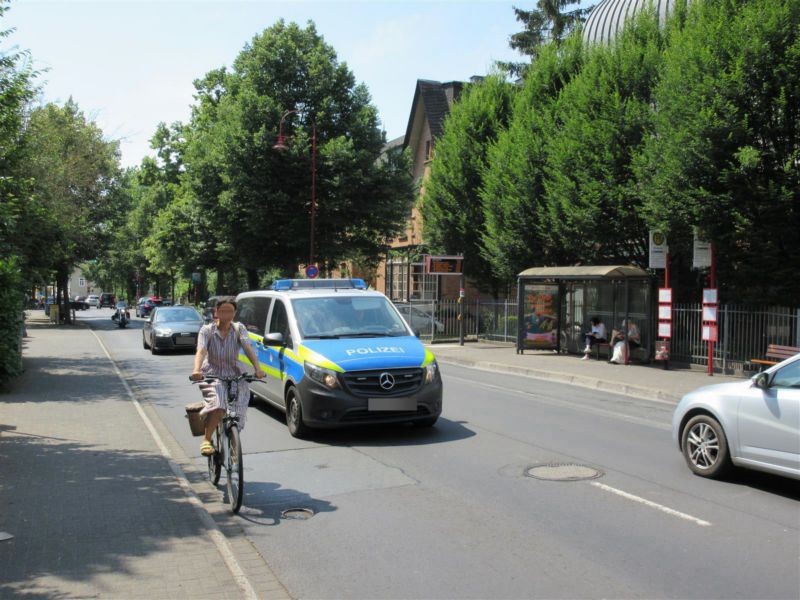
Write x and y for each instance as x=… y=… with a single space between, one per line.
x=218 y=345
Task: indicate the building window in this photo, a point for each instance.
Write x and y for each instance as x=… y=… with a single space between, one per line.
x=81 y=282
x=428 y=150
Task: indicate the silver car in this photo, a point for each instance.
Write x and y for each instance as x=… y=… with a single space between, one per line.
x=753 y=424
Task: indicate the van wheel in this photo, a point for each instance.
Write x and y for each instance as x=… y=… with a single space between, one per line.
x=294 y=414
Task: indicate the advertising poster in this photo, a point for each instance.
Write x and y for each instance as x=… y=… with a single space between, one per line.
x=540 y=317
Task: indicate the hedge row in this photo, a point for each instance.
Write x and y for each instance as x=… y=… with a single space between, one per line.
x=11 y=316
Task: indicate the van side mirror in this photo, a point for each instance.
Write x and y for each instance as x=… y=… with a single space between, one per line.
x=273 y=339
x=417 y=332
x=762 y=381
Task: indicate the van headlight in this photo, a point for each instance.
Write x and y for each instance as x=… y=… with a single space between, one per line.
x=321 y=375
x=430 y=372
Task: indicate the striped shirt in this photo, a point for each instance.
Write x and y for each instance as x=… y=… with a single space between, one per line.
x=222 y=354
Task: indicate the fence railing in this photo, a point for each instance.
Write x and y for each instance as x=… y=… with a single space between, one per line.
x=744 y=331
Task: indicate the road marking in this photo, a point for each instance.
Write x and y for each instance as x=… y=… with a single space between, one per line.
x=651 y=504
x=220 y=541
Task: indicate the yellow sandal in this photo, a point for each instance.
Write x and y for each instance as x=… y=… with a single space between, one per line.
x=206 y=449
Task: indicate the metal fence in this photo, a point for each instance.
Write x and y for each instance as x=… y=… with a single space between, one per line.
x=744 y=331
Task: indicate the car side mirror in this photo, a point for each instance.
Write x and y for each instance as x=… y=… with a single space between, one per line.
x=273 y=339
x=762 y=381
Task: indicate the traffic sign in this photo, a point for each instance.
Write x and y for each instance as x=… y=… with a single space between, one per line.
x=312 y=271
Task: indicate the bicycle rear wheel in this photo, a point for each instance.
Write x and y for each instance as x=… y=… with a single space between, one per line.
x=235 y=469
x=215 y=460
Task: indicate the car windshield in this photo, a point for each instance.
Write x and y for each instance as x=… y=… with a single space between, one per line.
x=347 y=316
x=179 y=314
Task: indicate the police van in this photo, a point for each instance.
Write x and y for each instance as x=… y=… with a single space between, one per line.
x=337 y=354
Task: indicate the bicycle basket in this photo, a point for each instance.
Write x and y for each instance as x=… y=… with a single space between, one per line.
x=197 y=422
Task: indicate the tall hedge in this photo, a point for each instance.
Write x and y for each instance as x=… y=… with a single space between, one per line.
x=11 y=306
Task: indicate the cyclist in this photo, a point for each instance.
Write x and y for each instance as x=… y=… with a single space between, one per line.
x=218 y=345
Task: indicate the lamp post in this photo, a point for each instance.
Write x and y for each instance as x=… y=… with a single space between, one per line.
x=281 y=146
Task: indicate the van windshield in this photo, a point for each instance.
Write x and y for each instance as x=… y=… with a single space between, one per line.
x=347 y=316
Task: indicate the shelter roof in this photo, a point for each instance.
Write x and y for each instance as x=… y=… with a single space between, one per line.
x=585 y=272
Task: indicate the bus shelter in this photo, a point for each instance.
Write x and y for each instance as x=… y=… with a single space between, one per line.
x=555 y=305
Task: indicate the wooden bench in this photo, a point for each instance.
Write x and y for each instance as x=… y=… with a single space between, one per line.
x=775 y=354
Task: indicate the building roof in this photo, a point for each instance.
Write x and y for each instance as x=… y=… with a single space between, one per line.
x=587 y=272
x=608 y=17
x=435 y=103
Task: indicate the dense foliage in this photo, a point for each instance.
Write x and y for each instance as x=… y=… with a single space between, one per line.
x=694 y=126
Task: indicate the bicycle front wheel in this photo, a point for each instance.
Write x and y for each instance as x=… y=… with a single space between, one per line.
x=235 y=469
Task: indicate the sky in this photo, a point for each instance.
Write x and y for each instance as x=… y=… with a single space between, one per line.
x=130 y=65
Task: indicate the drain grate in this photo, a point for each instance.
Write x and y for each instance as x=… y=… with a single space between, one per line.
x=563 y=472
x=298 y=514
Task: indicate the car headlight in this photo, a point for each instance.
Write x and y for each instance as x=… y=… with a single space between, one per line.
x=430 y=372
x=321 y=375
x=161 y=332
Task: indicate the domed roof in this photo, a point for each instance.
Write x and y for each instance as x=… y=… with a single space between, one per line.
x=608 y=17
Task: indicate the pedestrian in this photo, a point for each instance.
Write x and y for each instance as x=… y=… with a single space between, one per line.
x=218 y=345
x=596 y=336
x=621 y=350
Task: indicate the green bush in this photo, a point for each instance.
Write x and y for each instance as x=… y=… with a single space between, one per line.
x=11 y=300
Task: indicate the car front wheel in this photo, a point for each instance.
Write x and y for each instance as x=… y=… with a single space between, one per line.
x=705 y=447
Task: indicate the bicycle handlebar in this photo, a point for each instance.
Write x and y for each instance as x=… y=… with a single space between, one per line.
x=211 y=378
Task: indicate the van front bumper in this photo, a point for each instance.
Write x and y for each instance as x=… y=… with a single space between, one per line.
x=324 y=408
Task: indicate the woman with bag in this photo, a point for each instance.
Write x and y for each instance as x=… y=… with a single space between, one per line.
x=218 y=345
x=621 y=351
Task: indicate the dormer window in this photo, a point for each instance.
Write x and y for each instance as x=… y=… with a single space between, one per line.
x=428 y=150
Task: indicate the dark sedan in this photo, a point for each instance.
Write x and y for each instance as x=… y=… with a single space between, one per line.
x=171 y=328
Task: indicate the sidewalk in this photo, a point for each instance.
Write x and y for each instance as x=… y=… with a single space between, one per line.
x=642 y=381
x=94 y=507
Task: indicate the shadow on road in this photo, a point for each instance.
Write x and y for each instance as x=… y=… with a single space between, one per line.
x=264 y=502
x=765 y=482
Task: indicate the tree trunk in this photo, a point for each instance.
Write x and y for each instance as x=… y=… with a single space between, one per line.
x=65 y=315
x=220 y=281
x=252 y=279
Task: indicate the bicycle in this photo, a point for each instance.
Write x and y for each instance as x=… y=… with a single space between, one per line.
x=227 y=444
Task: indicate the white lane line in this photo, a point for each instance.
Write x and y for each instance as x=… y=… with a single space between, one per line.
x=662 y=508
x=220 y=541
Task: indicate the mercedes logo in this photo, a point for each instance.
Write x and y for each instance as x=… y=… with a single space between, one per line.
x=386 y=381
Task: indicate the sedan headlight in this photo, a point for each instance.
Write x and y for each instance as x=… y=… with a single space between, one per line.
x=430 y=372
x=321 y=375
x=163 y=332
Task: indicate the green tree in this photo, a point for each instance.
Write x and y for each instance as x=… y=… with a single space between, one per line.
x=725 y=154
x=452 y=210
x=549 y=22
x=262 y=195
x=73 y=169
x=513 y=193
x=603 y=115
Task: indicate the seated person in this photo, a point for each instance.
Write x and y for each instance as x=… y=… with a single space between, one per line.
x=596 y=336
x=621 y=352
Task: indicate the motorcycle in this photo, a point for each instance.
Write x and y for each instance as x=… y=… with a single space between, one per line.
x=121 y=316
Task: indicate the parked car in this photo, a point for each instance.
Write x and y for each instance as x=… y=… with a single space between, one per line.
x=93 y=300
x=80 y=303
x=145 y=305
x=171 y=328
x=208 y=308
x=107 y=299
x=167 y=302
x=419 y=320
x=753 y=424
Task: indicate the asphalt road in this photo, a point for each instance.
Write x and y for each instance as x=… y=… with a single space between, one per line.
x=450 y=513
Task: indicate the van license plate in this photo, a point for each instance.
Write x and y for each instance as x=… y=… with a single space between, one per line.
x=377 y=404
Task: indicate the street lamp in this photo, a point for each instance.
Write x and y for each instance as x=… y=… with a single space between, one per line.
x=281 y=146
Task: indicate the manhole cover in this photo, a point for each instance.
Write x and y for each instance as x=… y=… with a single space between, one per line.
x=563 y=472
x=299 y=514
